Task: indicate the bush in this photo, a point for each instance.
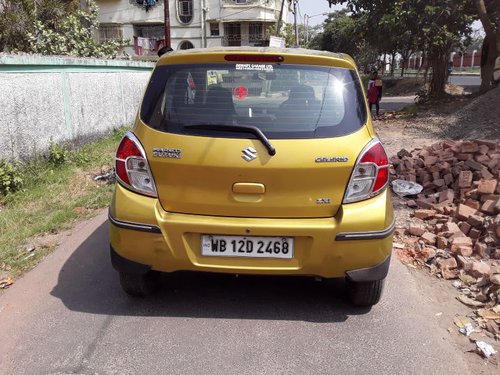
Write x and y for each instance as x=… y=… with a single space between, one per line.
x=58 y=155
x=10 y=178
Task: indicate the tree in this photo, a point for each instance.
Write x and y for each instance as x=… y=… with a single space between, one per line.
x=489 y=15
x=53 y=27
x=17 y=19
x=342 y=33
x=433 y=26
x=288 y=34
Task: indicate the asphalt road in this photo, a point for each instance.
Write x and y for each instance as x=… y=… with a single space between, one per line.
x=394 y=103
x=469 y=82
x=69 y=315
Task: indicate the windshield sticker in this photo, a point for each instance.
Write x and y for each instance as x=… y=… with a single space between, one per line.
x=240 y=92
x=255 y=67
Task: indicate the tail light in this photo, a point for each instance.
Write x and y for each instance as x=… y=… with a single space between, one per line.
x=370 y=175
x=132 y=168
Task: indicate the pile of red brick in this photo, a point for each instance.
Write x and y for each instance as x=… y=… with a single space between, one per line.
x=456 y=218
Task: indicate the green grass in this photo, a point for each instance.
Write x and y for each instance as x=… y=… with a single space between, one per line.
x=53 y=197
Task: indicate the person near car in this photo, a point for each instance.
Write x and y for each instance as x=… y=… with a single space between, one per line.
x=374 y=92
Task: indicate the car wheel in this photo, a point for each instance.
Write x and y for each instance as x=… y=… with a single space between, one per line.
x=138 y=285
x=365 y=293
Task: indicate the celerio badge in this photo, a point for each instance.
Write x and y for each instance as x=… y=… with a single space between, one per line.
x=332 y=159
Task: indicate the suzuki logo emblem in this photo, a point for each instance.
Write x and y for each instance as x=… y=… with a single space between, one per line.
x=249 y=154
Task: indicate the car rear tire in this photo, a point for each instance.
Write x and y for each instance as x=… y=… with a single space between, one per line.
x=365 y=293
x=138 y=285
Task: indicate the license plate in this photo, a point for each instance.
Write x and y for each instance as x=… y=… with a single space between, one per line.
x=251 y=246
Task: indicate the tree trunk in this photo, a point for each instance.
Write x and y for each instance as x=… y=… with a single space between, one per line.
x=488 y=56
x=491 y=45
x=393 y=64
x=439 y=64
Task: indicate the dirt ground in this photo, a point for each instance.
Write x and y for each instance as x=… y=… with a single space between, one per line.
x=457 y=118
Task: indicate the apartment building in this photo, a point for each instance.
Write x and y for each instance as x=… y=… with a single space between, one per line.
x=193 y=23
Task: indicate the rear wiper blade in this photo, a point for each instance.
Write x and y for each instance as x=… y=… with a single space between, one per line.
x=238 y=129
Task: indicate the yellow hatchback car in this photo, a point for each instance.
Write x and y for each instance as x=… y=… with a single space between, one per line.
x=253 y=161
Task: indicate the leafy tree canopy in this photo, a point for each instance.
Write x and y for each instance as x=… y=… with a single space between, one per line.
x=433 y=26
x=52 y=27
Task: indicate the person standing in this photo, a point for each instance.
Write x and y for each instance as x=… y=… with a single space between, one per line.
x=374 y=92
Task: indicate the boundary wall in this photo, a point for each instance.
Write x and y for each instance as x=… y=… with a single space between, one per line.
x=64 y=99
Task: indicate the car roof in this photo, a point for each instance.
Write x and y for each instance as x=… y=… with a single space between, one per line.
x=291 y=55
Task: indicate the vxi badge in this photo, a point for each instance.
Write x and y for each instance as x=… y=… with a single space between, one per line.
x=332 y=159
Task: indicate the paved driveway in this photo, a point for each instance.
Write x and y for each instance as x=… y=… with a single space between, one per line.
x=69 y=315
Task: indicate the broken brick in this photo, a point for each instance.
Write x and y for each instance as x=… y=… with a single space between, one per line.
x=473 y=204
x=488 y=207
x=482 y=250
x=416 y=229
x=446 y=195
x=465 y=227
x=474 y=165
x=469 y=147
x=411 y=203
x=465 y=251
x=480 y=269
x=476 y=221
x=465 y=179
x=423 y=203
x=461 y=241
x=449 y=274
x=451 y=227
x=447 y=263
x=463 y=212
x=487 y=186
x=487 y=175
x=448 y=179
x=424 y=214
x=428 y=238
x=483 y=149
x=475 y=233
x=441 y=242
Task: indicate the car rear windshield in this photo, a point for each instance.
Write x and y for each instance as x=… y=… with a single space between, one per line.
x=283 y=101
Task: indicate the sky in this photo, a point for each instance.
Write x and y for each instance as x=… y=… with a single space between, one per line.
x=313 y=8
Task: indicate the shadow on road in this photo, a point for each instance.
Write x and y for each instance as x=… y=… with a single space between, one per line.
x=88 y=283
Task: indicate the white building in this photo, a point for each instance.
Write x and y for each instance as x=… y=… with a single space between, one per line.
x=193 y=23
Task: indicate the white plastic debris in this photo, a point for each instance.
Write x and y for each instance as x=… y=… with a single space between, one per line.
x=485 y=349
x=403 y=188
x=467 y=329
x=457 y=284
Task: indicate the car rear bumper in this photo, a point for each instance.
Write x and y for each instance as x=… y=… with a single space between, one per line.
x=357 y=242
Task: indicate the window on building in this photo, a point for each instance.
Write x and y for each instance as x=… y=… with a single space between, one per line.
x=186 y=45
x=214 y=29
x=232 y=34
x=241 y=1
x=185 y=10
x=108 y=33
x=255 y=31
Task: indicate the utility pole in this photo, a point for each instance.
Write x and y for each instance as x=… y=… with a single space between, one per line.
x=278 y=28
x=295 y=22
x=306 y=26
x=167 y=22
